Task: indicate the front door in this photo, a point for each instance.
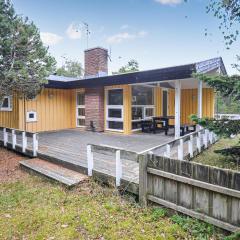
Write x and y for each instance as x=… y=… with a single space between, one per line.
x=80 y=109
x=165 y=103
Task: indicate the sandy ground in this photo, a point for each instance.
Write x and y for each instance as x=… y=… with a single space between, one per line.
x=9 y=166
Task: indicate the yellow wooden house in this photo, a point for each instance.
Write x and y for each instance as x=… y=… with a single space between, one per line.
x=114 y=103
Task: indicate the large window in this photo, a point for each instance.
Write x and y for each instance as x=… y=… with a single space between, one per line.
x=142 y=104
x=80 y=109
x=114 y=109
x=6 y=104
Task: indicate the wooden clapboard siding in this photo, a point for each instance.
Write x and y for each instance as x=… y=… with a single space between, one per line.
x=158 y=101
x=10 y=119
x=188 y=103
x=56 y=109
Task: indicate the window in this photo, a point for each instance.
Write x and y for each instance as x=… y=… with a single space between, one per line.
x=31 y=116
x=80 y=109
x=114 y=112
x=142 y=105
x=6 y=104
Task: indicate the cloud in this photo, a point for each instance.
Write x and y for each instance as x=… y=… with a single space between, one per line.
x=169 y=2
x=50 y=38
x=73 y=32
x=125 y=26
x=125 y=36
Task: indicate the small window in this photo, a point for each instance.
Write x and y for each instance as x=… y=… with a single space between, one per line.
x=6 y=104
x=115 y=97
x=31 y=116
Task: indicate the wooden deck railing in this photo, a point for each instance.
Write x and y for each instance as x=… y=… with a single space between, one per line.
x=117 y=153
x=20 y=141
x=185 y=147
x=227 y=116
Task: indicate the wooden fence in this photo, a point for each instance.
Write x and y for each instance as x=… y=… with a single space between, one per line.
x=203 y=192
x=19 y=141
x=185 y=147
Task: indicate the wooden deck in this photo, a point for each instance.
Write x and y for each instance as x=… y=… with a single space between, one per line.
x=70 y=146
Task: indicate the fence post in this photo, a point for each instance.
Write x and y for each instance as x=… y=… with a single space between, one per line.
x=35 y=144
x=118 y=168
x=190 y=146
x=5 y=137
x=24 y=142
x=14 y=139
x=89 y=160
x=205 y=138
x=143 y=162
x=180 y=149
x=199 y=142
x=168 y=151
x=211 y=137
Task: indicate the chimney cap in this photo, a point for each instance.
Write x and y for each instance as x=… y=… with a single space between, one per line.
x=89 y=49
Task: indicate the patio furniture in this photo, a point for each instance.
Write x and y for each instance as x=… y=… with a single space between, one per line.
x=160 y=123
x=147 y=126
x=187 y=128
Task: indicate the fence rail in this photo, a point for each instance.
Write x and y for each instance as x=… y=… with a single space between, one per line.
x=20 y=141
x=227 y=116
x=203 y=192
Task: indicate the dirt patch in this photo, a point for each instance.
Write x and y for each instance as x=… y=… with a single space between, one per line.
x=9 y=166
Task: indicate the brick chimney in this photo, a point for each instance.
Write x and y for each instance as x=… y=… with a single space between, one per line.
x=96 y=65
x=96 y=62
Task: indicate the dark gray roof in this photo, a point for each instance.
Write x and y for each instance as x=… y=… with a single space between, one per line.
x=156 y=75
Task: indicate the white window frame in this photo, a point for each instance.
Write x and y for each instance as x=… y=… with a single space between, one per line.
x=111 y=119
x=31 y=119
x=9 y=108
x=144 y=107
x=79 y=107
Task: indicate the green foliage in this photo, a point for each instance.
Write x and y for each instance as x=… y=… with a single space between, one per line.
x=222 y=127
x=227 y=86
x=235 y=236
x=214 y=156
x=199 y=230
x=228 y=13
x=70 y=69
x=24 y=61
x=132 y=66
x=158 y=213
x=226 y=105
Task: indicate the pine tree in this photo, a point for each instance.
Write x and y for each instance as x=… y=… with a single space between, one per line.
x=24 y=60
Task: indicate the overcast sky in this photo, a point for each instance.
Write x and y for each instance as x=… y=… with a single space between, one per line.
x=157 y=33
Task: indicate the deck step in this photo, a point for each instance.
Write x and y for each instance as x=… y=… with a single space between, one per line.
x=59 y=173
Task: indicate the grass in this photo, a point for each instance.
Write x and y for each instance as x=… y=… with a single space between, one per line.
x=209 y=157
x=35 y=208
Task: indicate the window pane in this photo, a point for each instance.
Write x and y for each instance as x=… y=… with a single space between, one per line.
x=149 y=112
x=81 y=111
x=115 y=113
x=115 y=125
x=137 y=113
x=115 y=97
x=5 y=103
x=142 y=95
x=80 y=99
x=136 y=125
x=81 y=122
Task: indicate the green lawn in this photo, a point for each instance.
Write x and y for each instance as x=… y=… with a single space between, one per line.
x=36 y=208
x=209 y=157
